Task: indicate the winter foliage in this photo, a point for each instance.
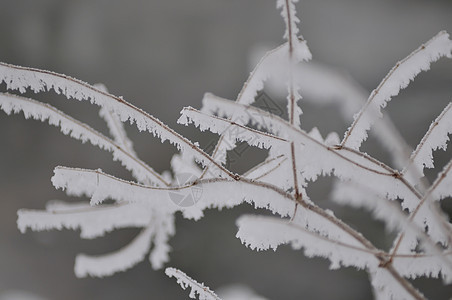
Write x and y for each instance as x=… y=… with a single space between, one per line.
x=400 y=196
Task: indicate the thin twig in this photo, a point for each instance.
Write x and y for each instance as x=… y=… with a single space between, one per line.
x=381 y=85
x=154 y=120
x=112 y=144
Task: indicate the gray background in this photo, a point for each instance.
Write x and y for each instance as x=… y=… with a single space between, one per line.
x=162 y=56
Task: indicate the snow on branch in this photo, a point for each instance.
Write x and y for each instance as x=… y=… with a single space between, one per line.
x=263 y=233
x=183 y=163
x=230 y=128
x=389 y=284
x=293 y=109
x=265 y=168
x=345 y=163
x=417 y=265
x=21 y=78
x=322 y=85
x=115 y=125
x=197 y=289
x=398 y=78
x=346 y=193
x=289 y=14
x=358 y=167
x=240 y=113
x=92 y=221
x=100 y=186
x=164 y=229
x=272 y=64
x=121 y=260
x=230 y=132
x=117 y=130
x=80 y=131
x=428 y=212
x=436 y=138
x=279 y=184
x=338 y=160
x=441 y=188
x=275 y=63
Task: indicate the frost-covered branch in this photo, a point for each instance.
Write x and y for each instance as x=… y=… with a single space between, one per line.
x=339 y=160
x=346 y=193
x=121 y=260
x=265 y=168
x=262 y=233
x=115 y=126
x=274 y=62
x=21 y=78
x=323 y=85
x=277 y=58
x=435 y=138
x=279 y=184
x=289 y=15
x=100 y=186
x=92 y=221
x=117 y=130
x=80 y=131
x=398 y=78
x=230 y=129
x=246 y=114
x=427 y=212
x=197 y=289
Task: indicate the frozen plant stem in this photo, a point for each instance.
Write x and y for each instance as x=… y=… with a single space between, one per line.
x=295 y=159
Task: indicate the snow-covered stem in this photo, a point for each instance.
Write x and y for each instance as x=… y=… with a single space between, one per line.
x=45 y=112
x=425 y=199
x=396 y=220
x=398 y=78
x=247 y=114
x=197 y=289
x=268 y=232
x=294 y=111
x=291 y=20
x=91 y=192
x=228 y=128
x=336 y=152
x=323 y=85
x=265 y=168
x=295 y=159
x=21 y=78
x=435 y=138
x=276 y=58
x=92 y=221
x=100 y=186
x=288 y=54
x=121 y=260
x=117 y=130
x=406 y=285
x=115 y=125
x=68 y=185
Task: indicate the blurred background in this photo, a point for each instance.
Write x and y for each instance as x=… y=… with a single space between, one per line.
x=164 y=55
